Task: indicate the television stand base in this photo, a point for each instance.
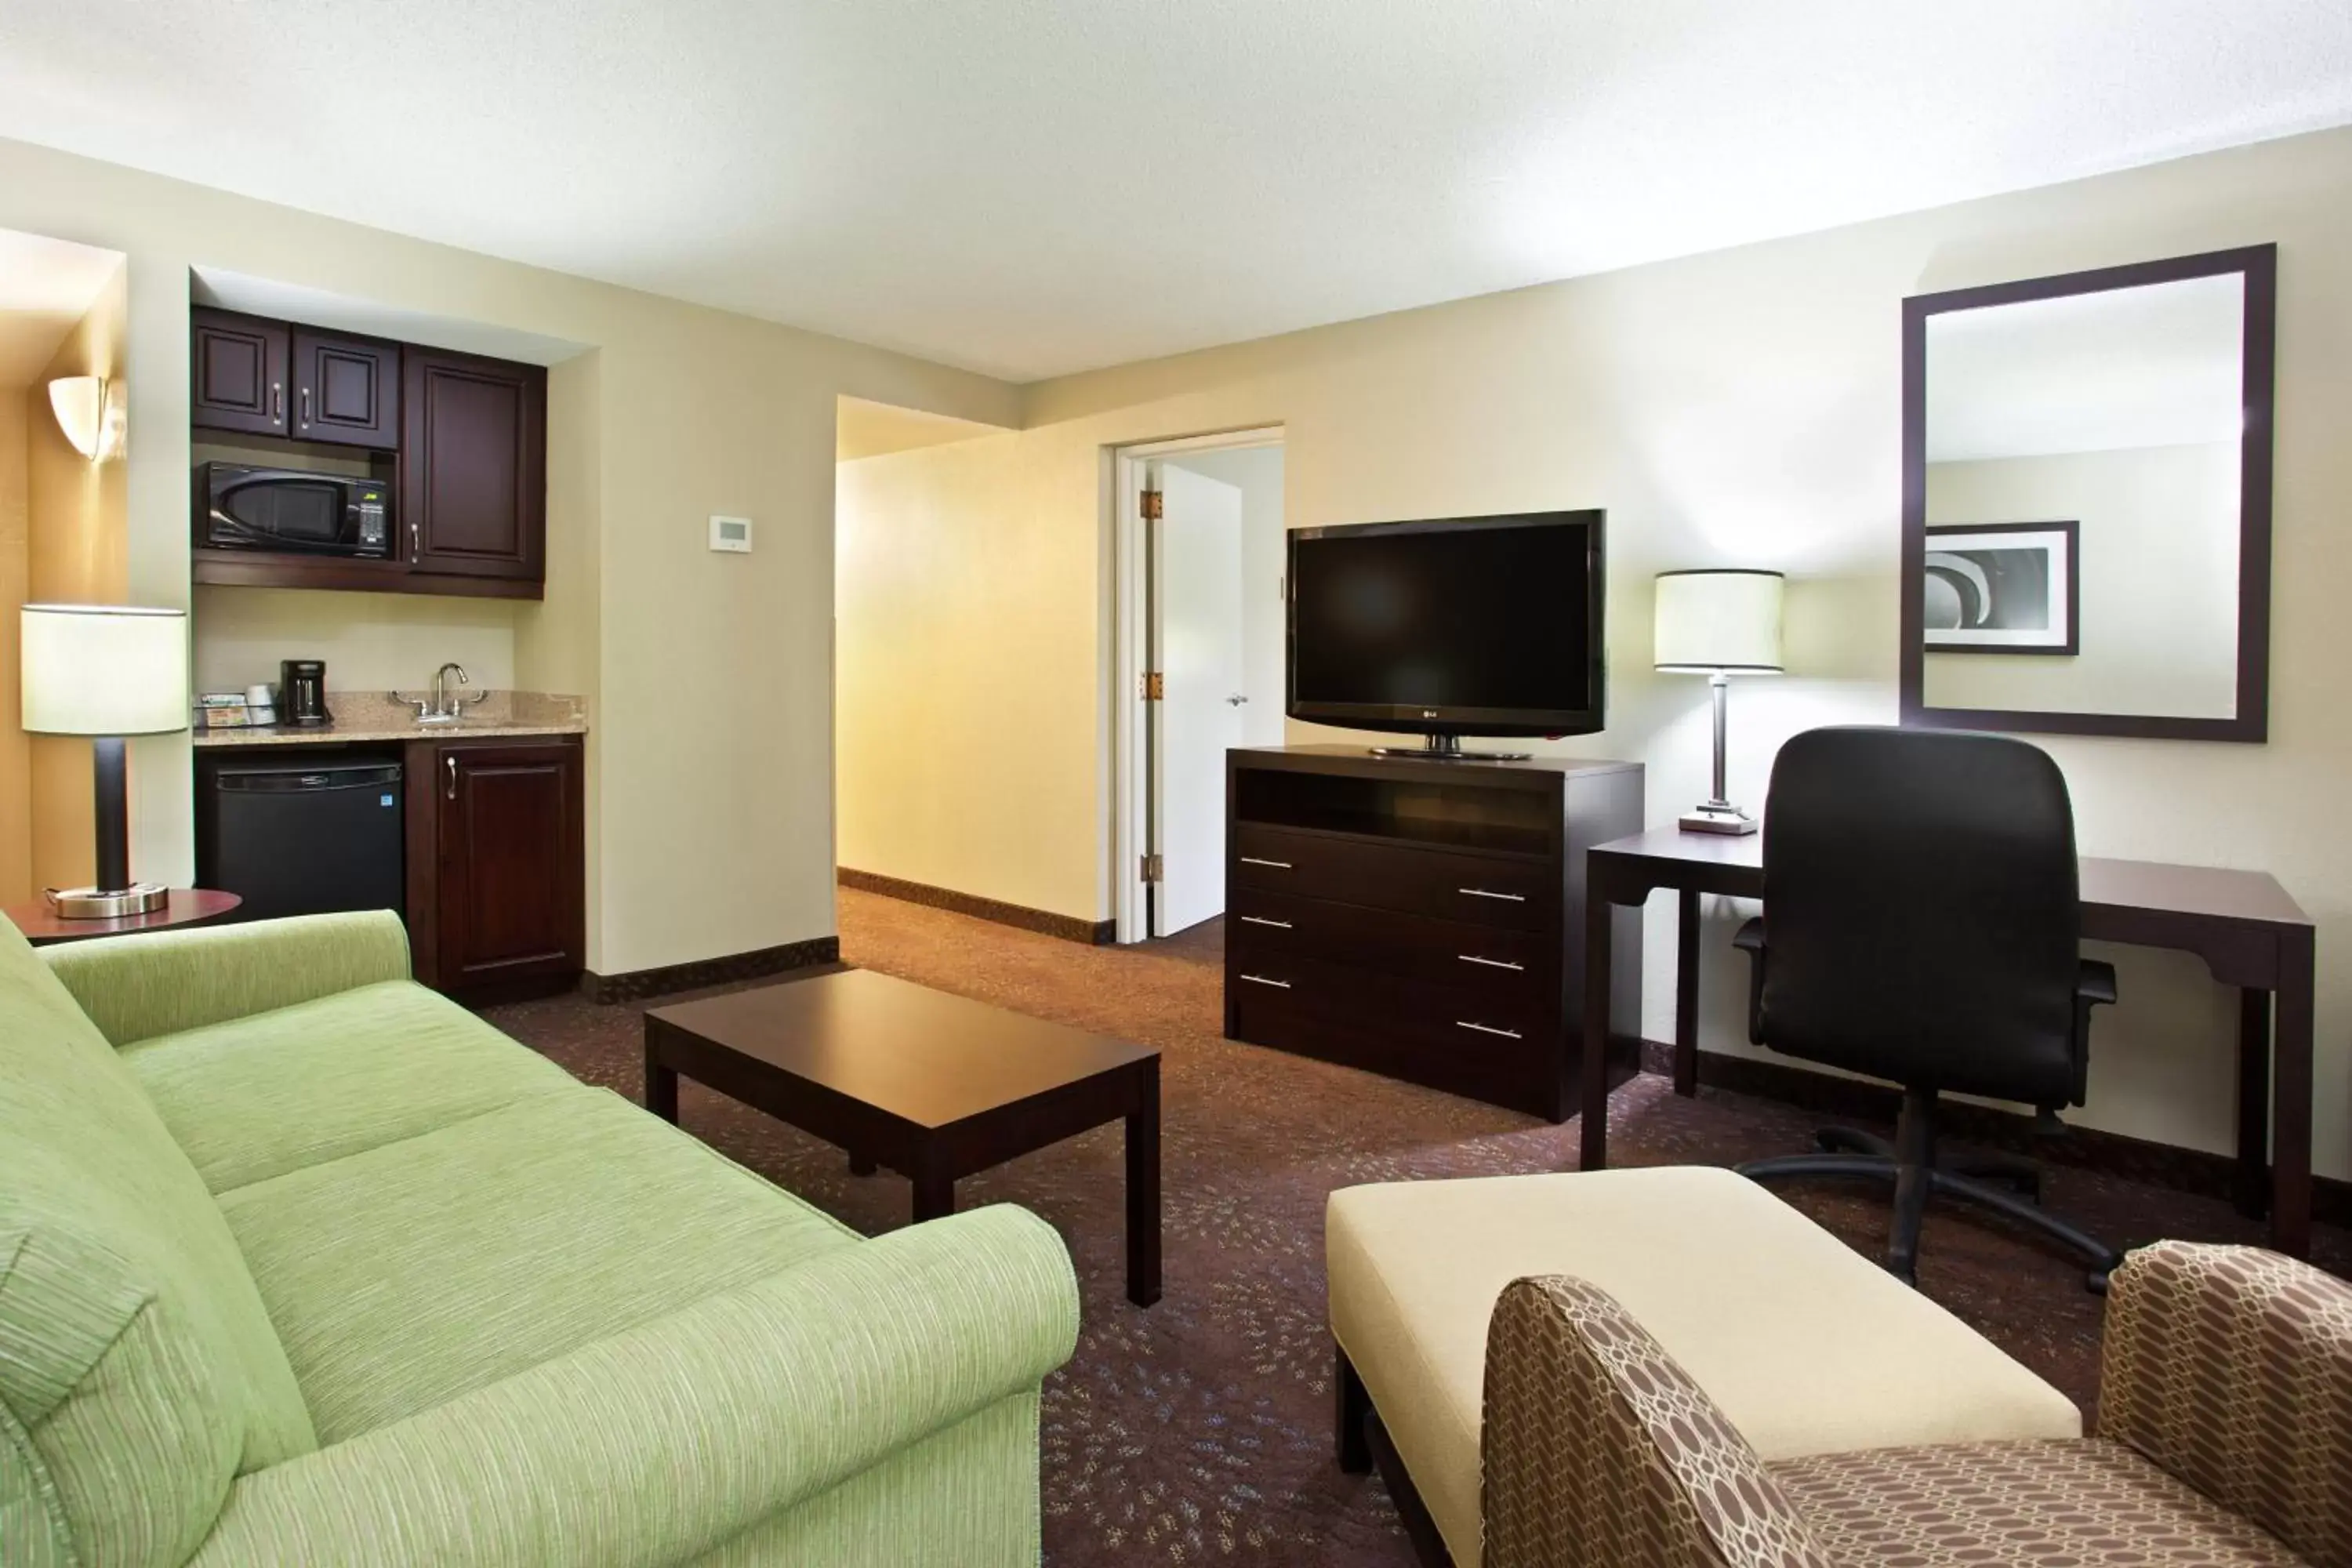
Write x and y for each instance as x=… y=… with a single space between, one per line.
x=1448 y=749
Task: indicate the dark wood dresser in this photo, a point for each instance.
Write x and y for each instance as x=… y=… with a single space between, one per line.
x=1414 y=918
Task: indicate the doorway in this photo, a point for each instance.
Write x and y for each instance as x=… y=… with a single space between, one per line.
x=1200 y=548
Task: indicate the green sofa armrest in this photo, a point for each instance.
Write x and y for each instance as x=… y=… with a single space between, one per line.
x=136 y=987
x=661 y=1442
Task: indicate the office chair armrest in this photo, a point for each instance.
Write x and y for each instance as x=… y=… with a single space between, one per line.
x=1749 y=939
x=1596 y=1447
x=2232 y=1368
x=2095 y=983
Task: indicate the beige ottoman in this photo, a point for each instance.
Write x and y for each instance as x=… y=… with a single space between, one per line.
x=1807 y=1346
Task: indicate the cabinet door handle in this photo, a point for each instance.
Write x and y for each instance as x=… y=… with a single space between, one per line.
x=1483 y=893
x=277 y=403
x=411 y=542
x=1262 y=920
x=1489 y=963
x=1262 y=980
x=451 y=763
x=1254 y=860
x=1488 y=1029
x=306 y=408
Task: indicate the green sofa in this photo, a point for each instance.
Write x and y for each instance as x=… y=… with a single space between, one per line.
x=300 y=1263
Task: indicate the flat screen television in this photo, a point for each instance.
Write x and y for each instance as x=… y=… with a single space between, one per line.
x=1474 y=625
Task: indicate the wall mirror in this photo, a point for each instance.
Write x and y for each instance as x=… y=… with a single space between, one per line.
x=2087 y=502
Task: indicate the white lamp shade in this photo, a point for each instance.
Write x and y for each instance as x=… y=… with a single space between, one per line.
x=1719 y=620
x=104 y=669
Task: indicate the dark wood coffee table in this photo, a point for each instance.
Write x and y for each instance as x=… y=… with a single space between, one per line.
x=930 y=1085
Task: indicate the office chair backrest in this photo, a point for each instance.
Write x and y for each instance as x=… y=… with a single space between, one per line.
x=1921 y=921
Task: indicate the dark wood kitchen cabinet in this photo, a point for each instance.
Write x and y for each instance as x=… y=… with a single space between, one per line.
x=238 y=369
x=497 y=863
x=346 y=390
x=473 y=466
x=461 y=439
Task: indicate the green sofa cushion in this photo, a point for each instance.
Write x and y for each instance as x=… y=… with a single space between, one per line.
x=407 y=1275
x=139 y=1371
x=259 y=1097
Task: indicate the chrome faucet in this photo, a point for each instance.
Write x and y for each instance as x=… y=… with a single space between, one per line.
x=448 y=707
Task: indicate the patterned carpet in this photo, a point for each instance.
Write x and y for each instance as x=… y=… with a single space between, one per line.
x=1198 y=1431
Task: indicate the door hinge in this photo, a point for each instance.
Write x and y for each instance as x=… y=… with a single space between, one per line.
x=1155 y=685
x=1153 y=867
x=1151 y=505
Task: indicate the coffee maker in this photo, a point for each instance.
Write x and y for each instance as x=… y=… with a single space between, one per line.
x=302 y=692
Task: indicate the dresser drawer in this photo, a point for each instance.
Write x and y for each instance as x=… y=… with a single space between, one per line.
x=1494 y=891
x=1477 y=1016
x=1331 y=1012
x=1473 y=959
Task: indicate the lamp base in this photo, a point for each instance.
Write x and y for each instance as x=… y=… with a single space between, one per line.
x=101 y=904
x=1727 y=819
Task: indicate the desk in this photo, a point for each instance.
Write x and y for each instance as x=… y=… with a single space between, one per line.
x=2242 y=923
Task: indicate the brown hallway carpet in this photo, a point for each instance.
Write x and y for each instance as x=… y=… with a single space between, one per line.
x=1198 y=1431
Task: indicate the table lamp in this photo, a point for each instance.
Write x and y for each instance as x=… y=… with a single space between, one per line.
x=105 y=671
x=1719 y=624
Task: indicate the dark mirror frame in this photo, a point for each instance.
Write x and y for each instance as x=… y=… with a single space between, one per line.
x=2251 y=721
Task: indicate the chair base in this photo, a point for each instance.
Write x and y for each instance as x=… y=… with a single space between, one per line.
x=1909 y=1161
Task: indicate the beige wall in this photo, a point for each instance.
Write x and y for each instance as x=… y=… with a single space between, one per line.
x=372 y=642
x=76 y=551
x=710 y=773
x=961 y=762
x=16 y=750
x=2158 y=538
x=1742 y=408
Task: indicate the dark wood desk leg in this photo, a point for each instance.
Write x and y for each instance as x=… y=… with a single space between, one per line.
x=934 y=1196
x=2251 y=1187
x=661 y=1087
x=1686 y=996
x=2291 y=1098
x=1592 y=1117
x=1143 y=1192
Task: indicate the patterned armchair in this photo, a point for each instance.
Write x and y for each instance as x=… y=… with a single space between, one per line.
x=2224 y=1436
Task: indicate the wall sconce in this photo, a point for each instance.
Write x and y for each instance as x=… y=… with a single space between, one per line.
x=90 y=411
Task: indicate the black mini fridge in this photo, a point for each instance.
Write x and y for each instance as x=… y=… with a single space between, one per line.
x=295 y=835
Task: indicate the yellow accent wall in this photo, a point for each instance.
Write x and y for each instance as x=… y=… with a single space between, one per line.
x=15 y=752
x=76 y=551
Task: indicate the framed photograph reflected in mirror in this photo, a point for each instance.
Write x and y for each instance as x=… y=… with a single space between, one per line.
x=2000 y=588
x=2086 y=491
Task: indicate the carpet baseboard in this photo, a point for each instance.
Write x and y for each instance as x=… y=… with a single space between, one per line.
x=1069 y=928
x=2169 y=1166
x=638 y=985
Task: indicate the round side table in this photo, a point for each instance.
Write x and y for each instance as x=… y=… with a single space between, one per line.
x=186 y=907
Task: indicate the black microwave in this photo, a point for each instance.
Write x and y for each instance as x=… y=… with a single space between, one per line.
x=290 y=510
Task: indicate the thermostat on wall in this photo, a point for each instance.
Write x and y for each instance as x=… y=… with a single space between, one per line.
x=731 y=533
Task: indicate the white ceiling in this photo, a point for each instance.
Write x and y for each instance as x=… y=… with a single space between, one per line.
x=1035 y=186
x=46 y=286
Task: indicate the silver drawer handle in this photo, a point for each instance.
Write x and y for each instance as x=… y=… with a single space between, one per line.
x=1474 y=958
x=1483 y=893
x=1262 y=920
x=1254 y=860
x=1262 y=980
x=1488 y=1029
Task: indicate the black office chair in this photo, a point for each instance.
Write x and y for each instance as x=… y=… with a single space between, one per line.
x=1921 y=924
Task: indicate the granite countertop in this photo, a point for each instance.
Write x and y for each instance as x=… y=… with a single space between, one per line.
x=383 y=716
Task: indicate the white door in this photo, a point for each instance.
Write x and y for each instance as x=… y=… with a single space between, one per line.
x=1196 y=572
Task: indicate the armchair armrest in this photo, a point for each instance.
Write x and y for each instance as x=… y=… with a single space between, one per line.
x=659 y=1444
x=1596 y=1450
x=2232 y=1368
x=136 y=987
